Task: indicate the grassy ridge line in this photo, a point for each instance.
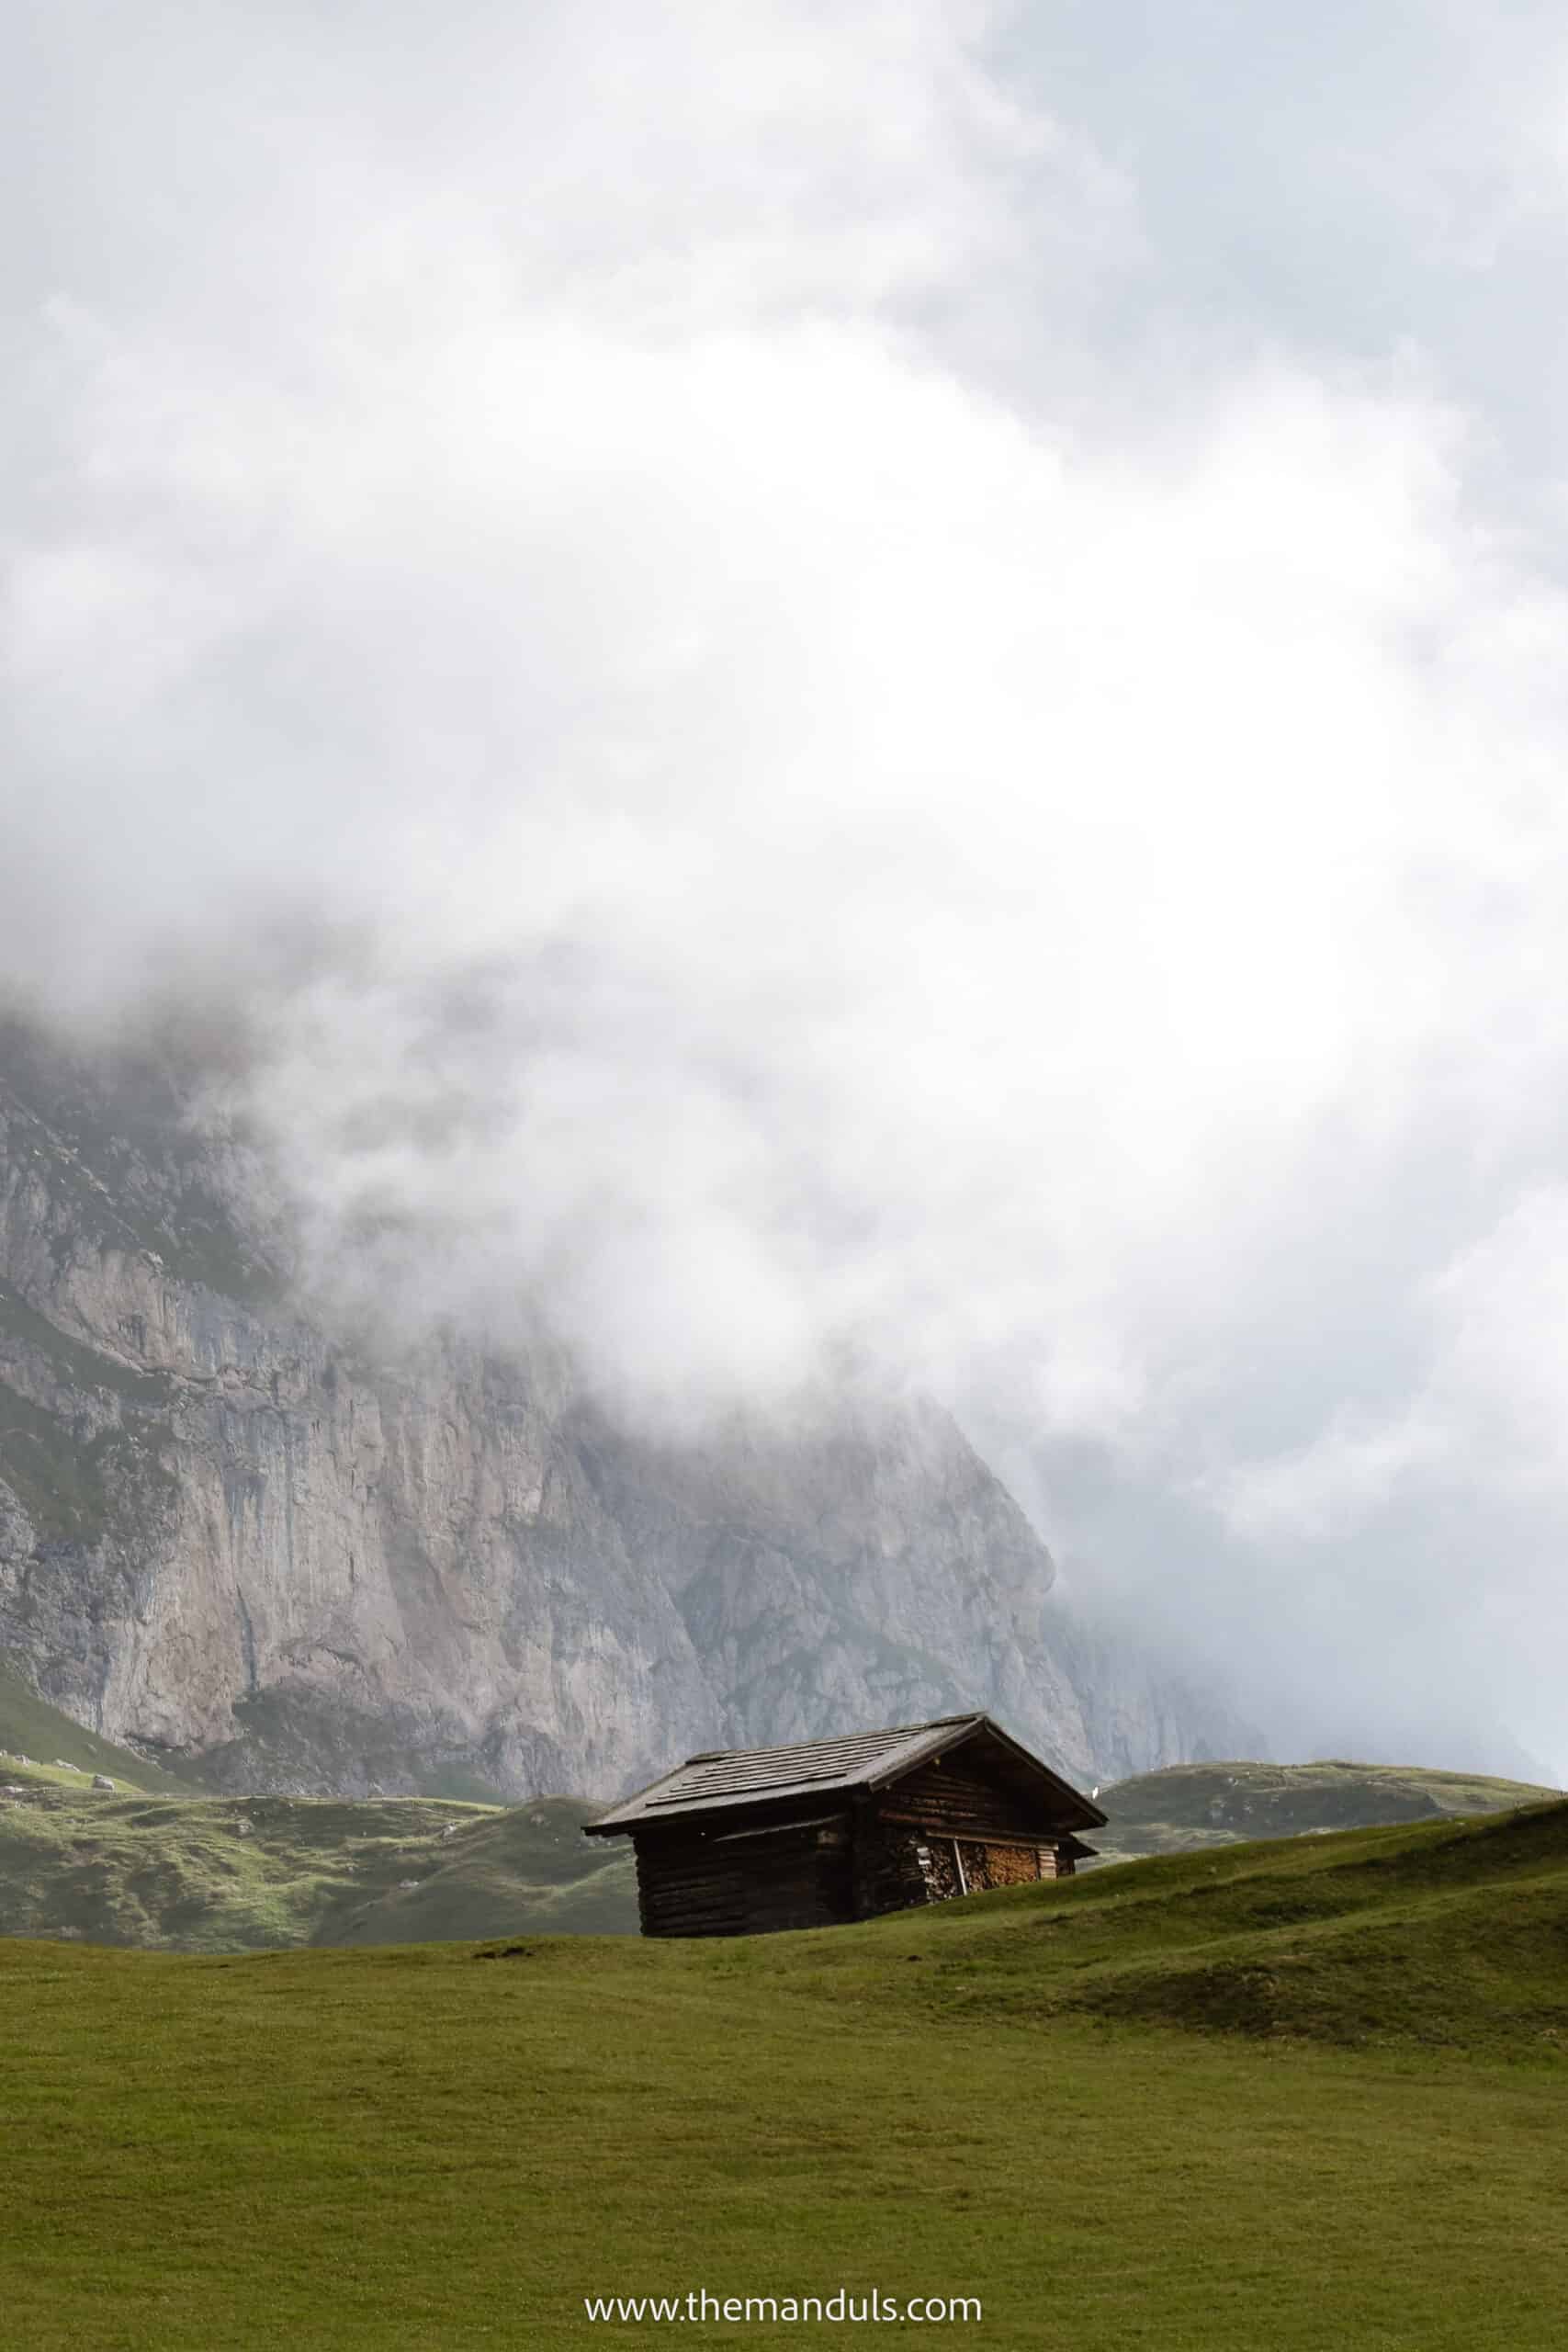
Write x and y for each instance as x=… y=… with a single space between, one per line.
x=225 y=1875
x=1186 y=1807
x=1452 y=1935
x=246 y=1873
x=448 y=2147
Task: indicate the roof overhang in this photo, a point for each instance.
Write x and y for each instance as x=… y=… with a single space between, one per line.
x=1078 y=1811
x=695 y=1791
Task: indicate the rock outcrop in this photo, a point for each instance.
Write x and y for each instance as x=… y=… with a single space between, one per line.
x=231 y=1535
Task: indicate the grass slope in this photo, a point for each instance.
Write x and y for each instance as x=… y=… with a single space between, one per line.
x=1188 y=1807
x=174 y=1872
x=1303 y=2096
x=241 y=1874
x=30 y=1727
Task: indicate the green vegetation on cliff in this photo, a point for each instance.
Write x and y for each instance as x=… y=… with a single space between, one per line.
x=1303 y=2094
x=111 y=1142
x=30 y=1727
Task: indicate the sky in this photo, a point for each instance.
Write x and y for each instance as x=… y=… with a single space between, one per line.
x=865 y=686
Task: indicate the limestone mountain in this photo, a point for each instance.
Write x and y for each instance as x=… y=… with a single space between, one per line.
x=246 y=1540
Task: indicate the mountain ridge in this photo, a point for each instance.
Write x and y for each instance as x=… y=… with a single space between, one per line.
x=234 y=1535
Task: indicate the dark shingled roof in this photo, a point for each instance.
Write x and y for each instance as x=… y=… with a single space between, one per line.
x=722 y=1779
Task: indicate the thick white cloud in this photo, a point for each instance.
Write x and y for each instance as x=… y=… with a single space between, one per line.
x=858 y=805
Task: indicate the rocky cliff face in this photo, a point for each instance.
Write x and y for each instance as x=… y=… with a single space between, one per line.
x=229 y=1535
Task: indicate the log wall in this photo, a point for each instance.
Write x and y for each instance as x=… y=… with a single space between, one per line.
x=947 y=1829
x=897 y=1865
x=950 y=1829
x=749 y=1882
x=956 y=1800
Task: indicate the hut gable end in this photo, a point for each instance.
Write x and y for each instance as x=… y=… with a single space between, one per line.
x=960 y=1798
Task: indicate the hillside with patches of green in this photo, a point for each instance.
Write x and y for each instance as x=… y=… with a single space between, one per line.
x=158 y=1865
x=211 y=1874
x=31 y=1728
x=1306 y=2094
x=1189 y=1807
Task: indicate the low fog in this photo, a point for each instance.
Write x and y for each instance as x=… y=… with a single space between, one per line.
x=870 y=686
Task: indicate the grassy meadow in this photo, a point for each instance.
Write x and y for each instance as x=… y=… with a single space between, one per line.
x=163 y=1864
x=243 y=1873
x=160 y=1863
x=1304 y=2094
x=1183 y=1807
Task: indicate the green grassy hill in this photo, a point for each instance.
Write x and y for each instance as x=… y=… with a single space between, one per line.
x=238 y=1873
x=155 y=1865
x=1190 y=1806
x=30 y=1727
x=1303 y=2094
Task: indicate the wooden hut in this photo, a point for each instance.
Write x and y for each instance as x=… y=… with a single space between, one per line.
x=748 y=1841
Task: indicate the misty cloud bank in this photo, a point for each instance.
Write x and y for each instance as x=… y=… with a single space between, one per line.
x=872 y=685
